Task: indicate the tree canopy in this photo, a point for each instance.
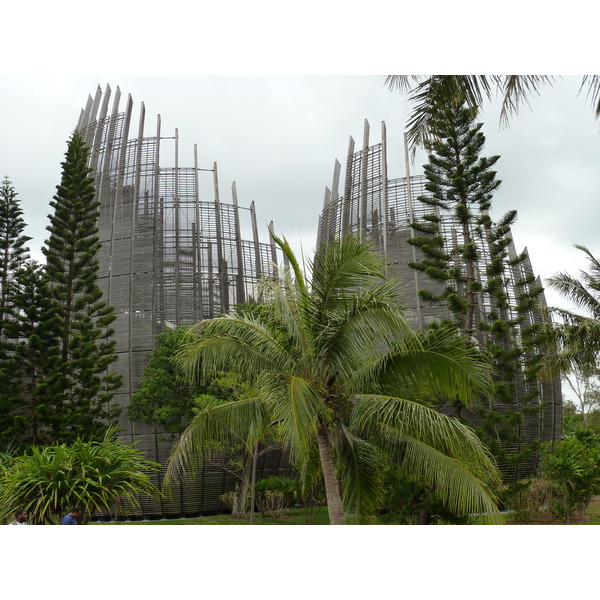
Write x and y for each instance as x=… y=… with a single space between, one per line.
x=349 y=384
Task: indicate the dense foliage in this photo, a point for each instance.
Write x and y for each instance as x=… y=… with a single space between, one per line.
x=49 y=481
x=574 y=467
x=13 y=249
x=13 y=255
x=410 y=501
x=573 y=419
x=81 y=403
x=164 y=397
x=31 y=369
x=347 y=381
x=275 y=495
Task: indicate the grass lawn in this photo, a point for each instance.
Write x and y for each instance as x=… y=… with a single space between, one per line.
x=593 y=512
x=298 y=516
x=295 y=516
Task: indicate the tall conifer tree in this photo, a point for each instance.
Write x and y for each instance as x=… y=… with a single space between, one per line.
x=461 y=183
x=33 y=366
x=13 y=249
x=471 y=263
x=13 y=253
x=86 y=350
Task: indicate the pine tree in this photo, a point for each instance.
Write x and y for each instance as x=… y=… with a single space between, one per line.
x=13 y=253
x=460 y=183
x=33 y=366
x=86 y=350
x=469 y=264
x=13 y=249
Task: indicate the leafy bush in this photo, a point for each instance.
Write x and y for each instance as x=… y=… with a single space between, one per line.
x=574 y=467
x=227 y=499
x=51 y=480
x=280 y=484
x=274 y=495
x=409 y=501
x=532 y=500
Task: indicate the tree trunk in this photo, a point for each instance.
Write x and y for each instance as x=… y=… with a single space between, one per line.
x=424 y=517
x=253 y=485
x=332 y=490
x=240 y=496
x=457 y=407
x=470 y=278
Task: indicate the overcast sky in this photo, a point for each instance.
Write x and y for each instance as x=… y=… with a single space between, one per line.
x=277 y=137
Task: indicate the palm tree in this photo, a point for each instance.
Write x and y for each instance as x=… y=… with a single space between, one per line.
x=428 y=94
x=339 y=370
x=578 y=335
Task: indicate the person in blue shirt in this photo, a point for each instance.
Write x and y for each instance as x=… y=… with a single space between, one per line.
x=71 y=517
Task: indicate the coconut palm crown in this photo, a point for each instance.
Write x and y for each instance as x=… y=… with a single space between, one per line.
x=430 y=94
x=577 y=334
x=338 y=369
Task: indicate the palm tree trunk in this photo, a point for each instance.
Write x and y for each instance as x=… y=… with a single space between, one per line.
x=332 y=490
x=425 y=512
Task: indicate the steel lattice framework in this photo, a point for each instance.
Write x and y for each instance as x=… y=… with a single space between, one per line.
x=381 y=210
x=168 y=258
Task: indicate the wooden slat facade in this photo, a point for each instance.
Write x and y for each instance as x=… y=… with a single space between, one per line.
x=170 y=256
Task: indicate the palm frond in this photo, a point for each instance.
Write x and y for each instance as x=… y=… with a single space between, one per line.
x=576 y=339
x=340 y=269
x=592 y=82
x=369 y=329
x=440 y=449
x=516 y=89
x=433 y=364
x=249 y=344
x=223 y=425
x=431 y=96
x=575 y=291
x=298 y=408
x=591 y=278
x=461 y=485
x=426 y=424
x=402 y=83
x=360 y=465
x=289 y=253
x=292 y=310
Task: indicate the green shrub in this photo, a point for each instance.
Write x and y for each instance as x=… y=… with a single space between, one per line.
x=532 y=500
x=227 y=499
x=51 y=480
x=274 y=495
x=279 y=484
x=574 y=466
x=408 y=501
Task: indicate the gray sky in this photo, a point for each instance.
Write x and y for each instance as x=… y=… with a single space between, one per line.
x=278 y=137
